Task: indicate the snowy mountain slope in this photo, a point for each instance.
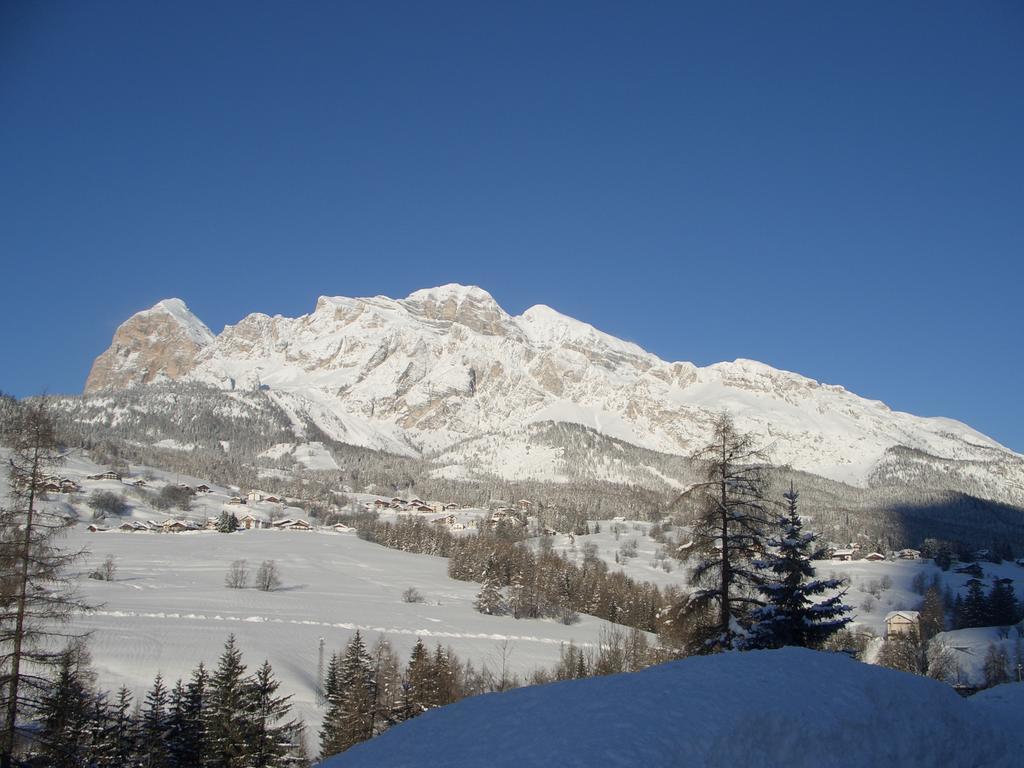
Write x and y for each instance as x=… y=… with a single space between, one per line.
x=422 y=374
x=791 y=707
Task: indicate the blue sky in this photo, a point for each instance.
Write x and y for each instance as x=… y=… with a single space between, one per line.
x=834 y=189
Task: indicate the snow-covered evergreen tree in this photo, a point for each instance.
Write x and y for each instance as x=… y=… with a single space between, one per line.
x=330 y=729
x=228 y=711
x=350 y=696
x=419 y=687
x=489 y=599
x=154 y=726
x=271 y=736
x=791 y=614
x=65 y=712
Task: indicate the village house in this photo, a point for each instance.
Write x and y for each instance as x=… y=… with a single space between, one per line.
x=140 y=483
x=874 y=557
x=288 y=524
x=909 y=554
x=174 y=526
x=842 y=555
x=901 y=623
x=203 y=488
x=254 y=496
x=234 y=500
x=250 y=521
x=69 y=486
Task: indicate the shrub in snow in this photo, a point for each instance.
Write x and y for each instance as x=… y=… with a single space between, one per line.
x=412 y=595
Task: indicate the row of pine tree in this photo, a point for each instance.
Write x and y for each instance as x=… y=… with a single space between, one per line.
x=224 y=718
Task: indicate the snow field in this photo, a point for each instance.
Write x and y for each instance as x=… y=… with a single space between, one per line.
x=168 y=608
x=792 y=707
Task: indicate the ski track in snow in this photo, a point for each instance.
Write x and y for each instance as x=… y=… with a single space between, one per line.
x=335 y=625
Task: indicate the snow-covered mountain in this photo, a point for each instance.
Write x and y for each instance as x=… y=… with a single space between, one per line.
x=447 y=373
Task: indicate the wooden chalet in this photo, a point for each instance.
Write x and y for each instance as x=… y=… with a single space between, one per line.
x=874 y=557
x=288 y=524
x=203 y=488
x=901 y=623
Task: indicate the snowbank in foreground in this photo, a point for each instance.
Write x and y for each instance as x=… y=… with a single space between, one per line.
x=790 y=707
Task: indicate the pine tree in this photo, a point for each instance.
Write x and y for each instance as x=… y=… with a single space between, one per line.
x=330 y=729
x=270 y=739
x=66 y=713
x=489 y=599
x=227 y=723
x=154 y=727
x=122 y=731
x=179 y=729
x=932 y=617
x=974 y=610
x=189 y=743
x=1002 y=604
x=387 y=686
x=790 y=616
x=418 y=688
x=350 y=696
x=446 y=687
x=358 y=685
x=227 y=522
x=731 y=516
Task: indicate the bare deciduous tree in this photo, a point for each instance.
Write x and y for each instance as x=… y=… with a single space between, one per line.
x=237 y=576
x=268 y=578
x=730 y=515
x=36 y=596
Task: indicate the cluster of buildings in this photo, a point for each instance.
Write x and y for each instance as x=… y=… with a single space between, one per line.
x=58 y=484
x=855 y=552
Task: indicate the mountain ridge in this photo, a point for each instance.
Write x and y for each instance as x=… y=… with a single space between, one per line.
x=448 y=365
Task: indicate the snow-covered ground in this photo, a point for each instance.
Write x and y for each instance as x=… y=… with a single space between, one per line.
x=792 y=707
x=168 y=608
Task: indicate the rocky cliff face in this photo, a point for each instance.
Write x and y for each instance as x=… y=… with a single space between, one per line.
x=158 y=344
x=436 y=372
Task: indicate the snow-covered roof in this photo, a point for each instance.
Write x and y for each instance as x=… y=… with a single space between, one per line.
x=908 y=615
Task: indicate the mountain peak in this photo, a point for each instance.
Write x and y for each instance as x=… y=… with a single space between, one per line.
x=178 y=310
x=452 y=291
x=159 y=343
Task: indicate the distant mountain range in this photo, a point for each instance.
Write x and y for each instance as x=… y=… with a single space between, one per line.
x=447 y=374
